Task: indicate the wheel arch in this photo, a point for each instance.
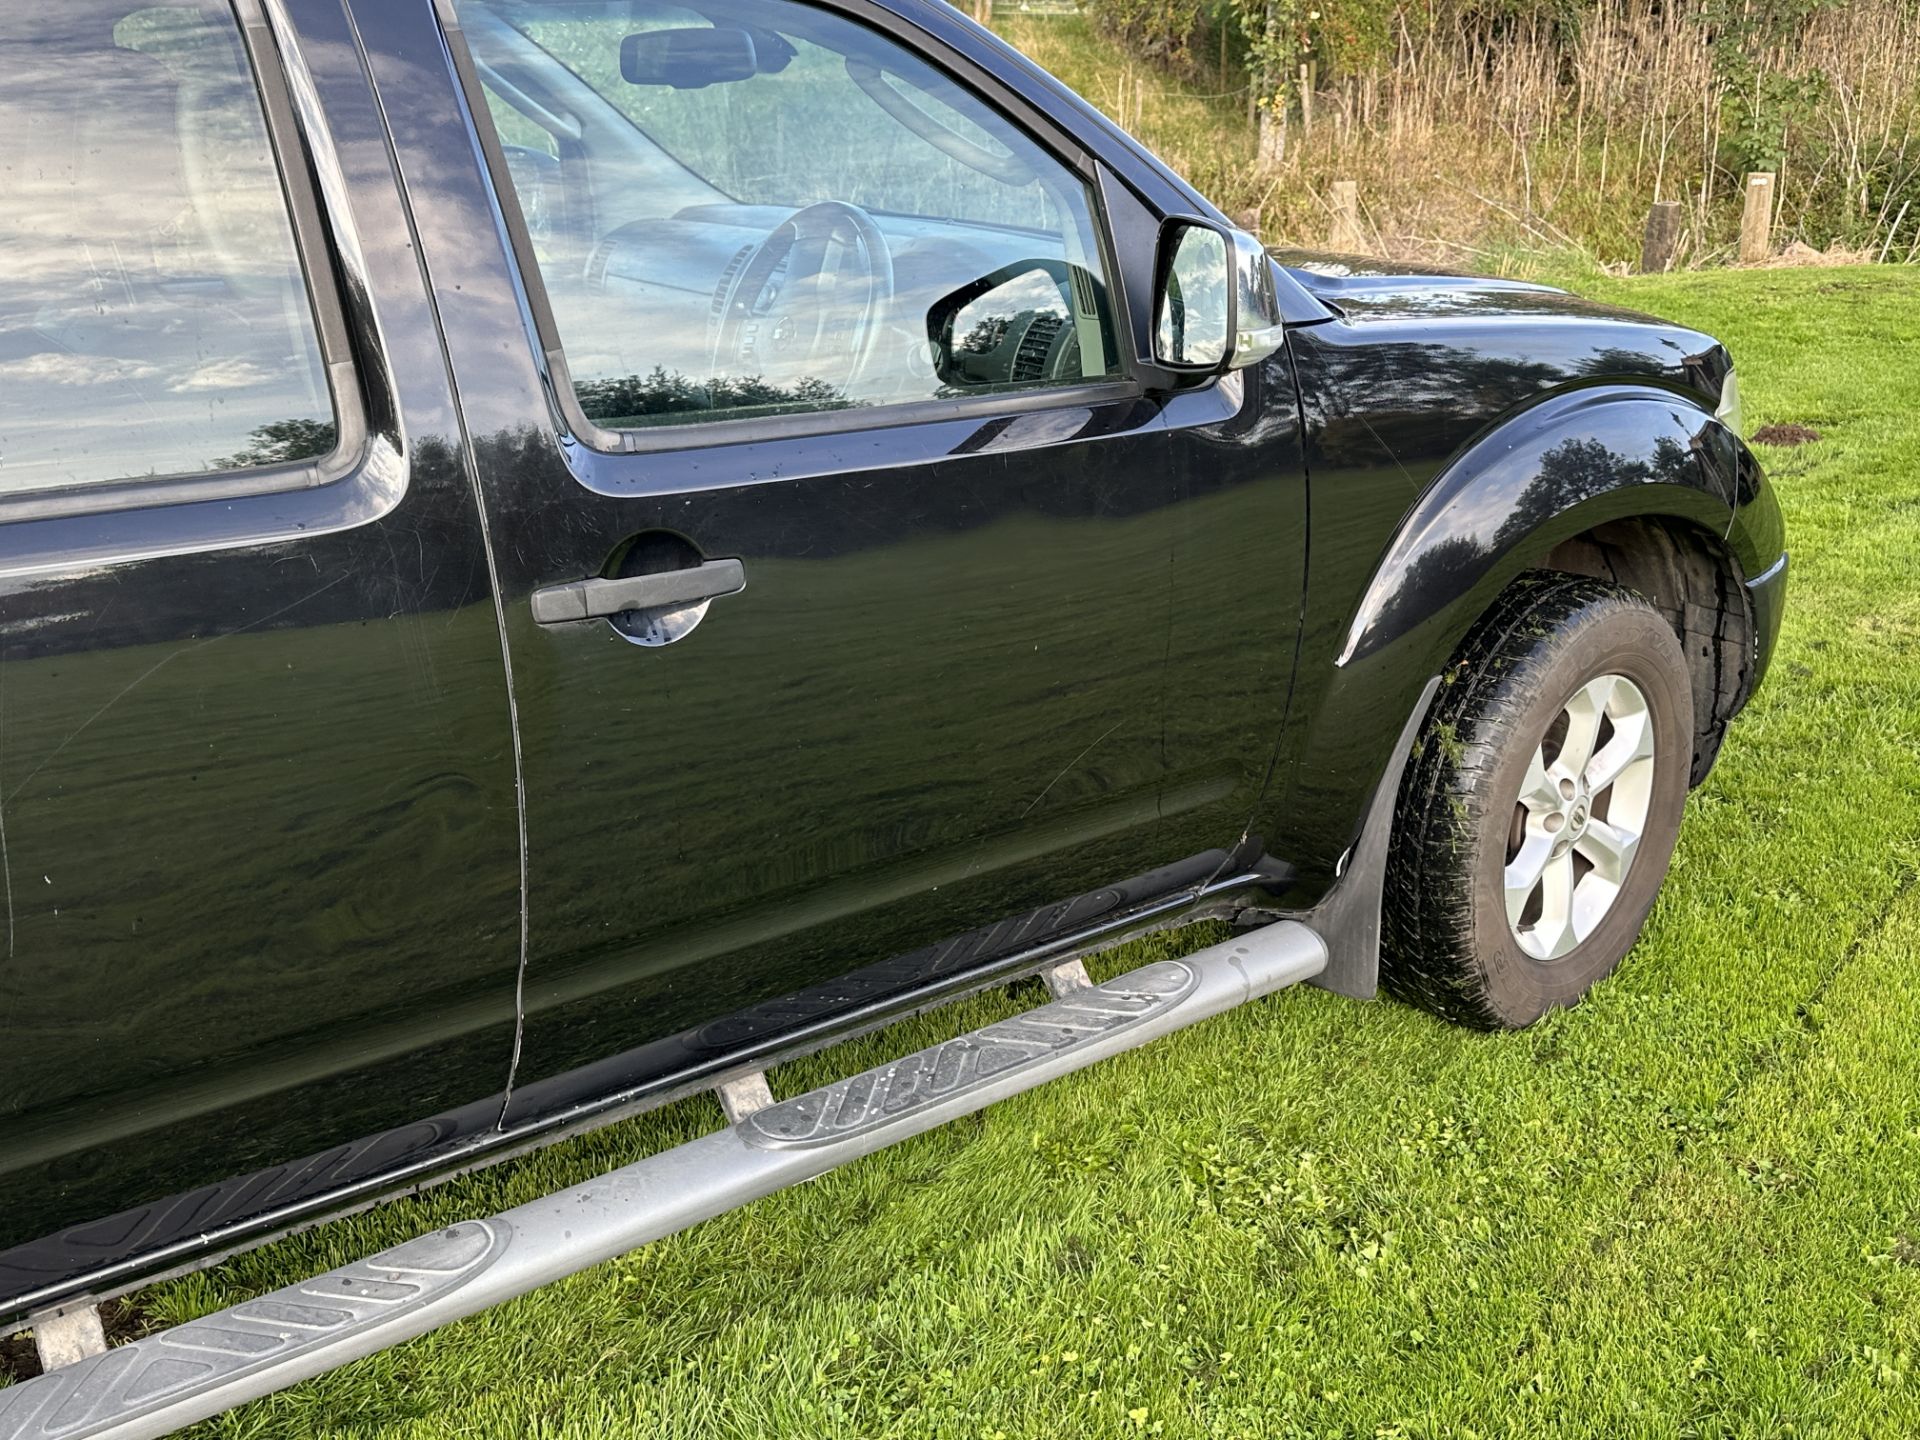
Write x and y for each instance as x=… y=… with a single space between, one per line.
x=1636 y=484
x=1689 y=575
x=1561 y=469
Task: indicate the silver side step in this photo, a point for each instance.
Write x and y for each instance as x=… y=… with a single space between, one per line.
x=157 y=1384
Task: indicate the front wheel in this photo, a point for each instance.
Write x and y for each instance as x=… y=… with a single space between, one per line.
x=1539 y=810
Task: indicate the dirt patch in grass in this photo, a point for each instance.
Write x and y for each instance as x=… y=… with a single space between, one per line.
x=17 y=1358
x=1799 y=254
x=1786 y=435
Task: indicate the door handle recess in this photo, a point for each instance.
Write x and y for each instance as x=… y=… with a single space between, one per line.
x=662 y=590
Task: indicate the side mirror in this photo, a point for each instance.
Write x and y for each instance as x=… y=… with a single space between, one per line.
x=1215 y=307
x=1193 y=300
x=688 y=59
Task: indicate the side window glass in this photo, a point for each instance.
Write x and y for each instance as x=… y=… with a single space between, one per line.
x=758 y=207
x=153 y=316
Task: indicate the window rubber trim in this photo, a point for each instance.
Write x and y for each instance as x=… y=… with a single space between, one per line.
x=292 y=161
x=711 y=434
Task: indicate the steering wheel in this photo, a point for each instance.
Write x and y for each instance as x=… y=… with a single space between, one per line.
x=811 y=301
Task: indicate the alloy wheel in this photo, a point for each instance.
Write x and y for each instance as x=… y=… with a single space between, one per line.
x=1579 y=817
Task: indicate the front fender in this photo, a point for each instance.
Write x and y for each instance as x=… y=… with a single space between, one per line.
x=1561 y=467
x=1570 y=460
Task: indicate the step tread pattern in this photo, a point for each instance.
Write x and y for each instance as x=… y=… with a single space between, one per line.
x=123 y=1384
x=939 y=1073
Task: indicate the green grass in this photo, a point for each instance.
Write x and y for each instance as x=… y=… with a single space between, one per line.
x=1690 y=1207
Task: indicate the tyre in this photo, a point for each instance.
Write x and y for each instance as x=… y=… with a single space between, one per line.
x=1539 y=809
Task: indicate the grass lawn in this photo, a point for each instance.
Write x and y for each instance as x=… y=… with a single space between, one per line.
x=1690 y=1207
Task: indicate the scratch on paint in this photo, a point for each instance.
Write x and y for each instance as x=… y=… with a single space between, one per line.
x=156 y=668
x=1069 y=770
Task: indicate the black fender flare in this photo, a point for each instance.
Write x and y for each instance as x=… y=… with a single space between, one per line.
x=1573 y=460
x=1556 y=470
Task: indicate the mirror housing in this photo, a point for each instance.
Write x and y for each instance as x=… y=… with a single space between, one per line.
x=689 y=58
x=1215 y=307
x=1258 y=328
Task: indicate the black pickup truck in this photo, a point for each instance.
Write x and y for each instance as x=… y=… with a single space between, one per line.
x=554 y=553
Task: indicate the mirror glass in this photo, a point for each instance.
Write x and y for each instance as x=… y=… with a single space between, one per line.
x=1194 y=310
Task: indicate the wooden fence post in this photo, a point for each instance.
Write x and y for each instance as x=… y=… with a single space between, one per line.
x=983 y=11
x=1756 y=219
x=1273 y=139
x=1661 y=239
x=1306 y=100
x=1345 y=236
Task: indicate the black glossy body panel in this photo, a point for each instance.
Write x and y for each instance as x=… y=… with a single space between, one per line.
x=976 y=669
x=1001 y=685
x=258 y=806
x=1457 y=430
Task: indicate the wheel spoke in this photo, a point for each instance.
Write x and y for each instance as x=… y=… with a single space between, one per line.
x=1553 y=931
x=1632 y=741
x=1610 y=848
x=1537 y=790
x=1584 y=711
x=1523 y=873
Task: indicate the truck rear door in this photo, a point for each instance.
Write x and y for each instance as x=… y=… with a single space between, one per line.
x=258 y=844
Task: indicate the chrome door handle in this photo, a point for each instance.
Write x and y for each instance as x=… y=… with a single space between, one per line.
x=663 y=590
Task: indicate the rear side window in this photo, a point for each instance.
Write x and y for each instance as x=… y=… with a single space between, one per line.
x=154 y=320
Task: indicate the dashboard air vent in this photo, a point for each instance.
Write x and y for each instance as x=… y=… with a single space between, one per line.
x=725 y=287
x=1030 y=360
